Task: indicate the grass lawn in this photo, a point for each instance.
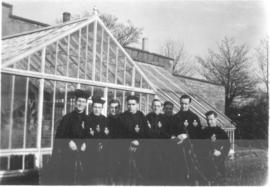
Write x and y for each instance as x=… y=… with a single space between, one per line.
x=249 y=167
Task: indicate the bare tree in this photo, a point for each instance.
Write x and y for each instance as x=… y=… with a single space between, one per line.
x=262 y=57
x=182 y=61
x=125 y=33
x=229 y=66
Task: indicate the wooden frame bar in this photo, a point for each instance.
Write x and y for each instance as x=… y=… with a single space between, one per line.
x=116 y=65
x=25 y=112
x=40 y=111
x=53 y=113
x=124 y=99
x=147 y=103
x=74 y=80
x=94 y=51
x=86 y=51
x=101 y=53
x=11 y=117
x=125 y=68
x=56 y=56
x=133 y=79
x=68 y=48
x=105 y=106
x=79 y=53
x=108 y=58
x=65 y=102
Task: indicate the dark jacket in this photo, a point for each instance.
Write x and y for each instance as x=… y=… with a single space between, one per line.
x=187 y=122
x=71 y=127
x=130 y=122
x=115 y=126
x=158 y=126
x=217 y=139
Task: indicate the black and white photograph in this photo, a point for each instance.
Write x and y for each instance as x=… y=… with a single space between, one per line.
x=134 y=92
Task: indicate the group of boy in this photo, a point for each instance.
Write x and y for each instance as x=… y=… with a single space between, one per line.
x=130 y=148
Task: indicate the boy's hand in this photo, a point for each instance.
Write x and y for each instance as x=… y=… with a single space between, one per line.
x=83 y=147
x=72 y=145
x=217 y=153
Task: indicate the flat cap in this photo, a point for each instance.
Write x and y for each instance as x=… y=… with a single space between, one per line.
x=78 y=93
x=98 y=100
x=132 y=97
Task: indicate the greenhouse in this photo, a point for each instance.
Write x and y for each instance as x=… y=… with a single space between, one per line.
x=41 y=68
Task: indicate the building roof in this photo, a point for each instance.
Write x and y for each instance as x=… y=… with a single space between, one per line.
x=18 y=47
x=11 y=15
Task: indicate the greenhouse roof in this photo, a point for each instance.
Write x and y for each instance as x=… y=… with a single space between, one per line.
x=168 y=87
x=20 y=45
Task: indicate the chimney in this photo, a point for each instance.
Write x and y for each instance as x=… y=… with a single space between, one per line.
x=145 y=44
x=66 y=16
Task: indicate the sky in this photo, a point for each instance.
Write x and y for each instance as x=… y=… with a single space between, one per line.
x=199 y=25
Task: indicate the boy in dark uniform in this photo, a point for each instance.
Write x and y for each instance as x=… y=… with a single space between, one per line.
x=156 y=146
x=187 y=129
x=155 y=121
x=116 y=145
x=186 y=121
x=113 y=114
x=98 y=134
x=135 y=129
x=171 y=148
x=66 y=166
x=217 y=147
x=168 y=117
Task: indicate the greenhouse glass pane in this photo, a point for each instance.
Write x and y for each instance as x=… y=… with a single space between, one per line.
x=32 y=113
x=98 y=92
x=89 y=90
x=149 y=104
x=128 y=73
x=16 y=162
x=120 y=97
x=59 y=103
x=62 y=57
x=120 y=67
x=47 y=114
x=21 y=64
x=145 y=84
x=143 y=103
x=89 y=60
x=35 y=61
x=73 y=55
x=137 y=94
x=6 y=89
x=112 y=63
x=3 y=163
x=83 y=51
x=127 y=93
x=110 y=96
x=98 y=53
x=71 y=87
x=50 y=58
x=104 y=57
x=137 y=79
x=18 y=112
x=29 y=161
